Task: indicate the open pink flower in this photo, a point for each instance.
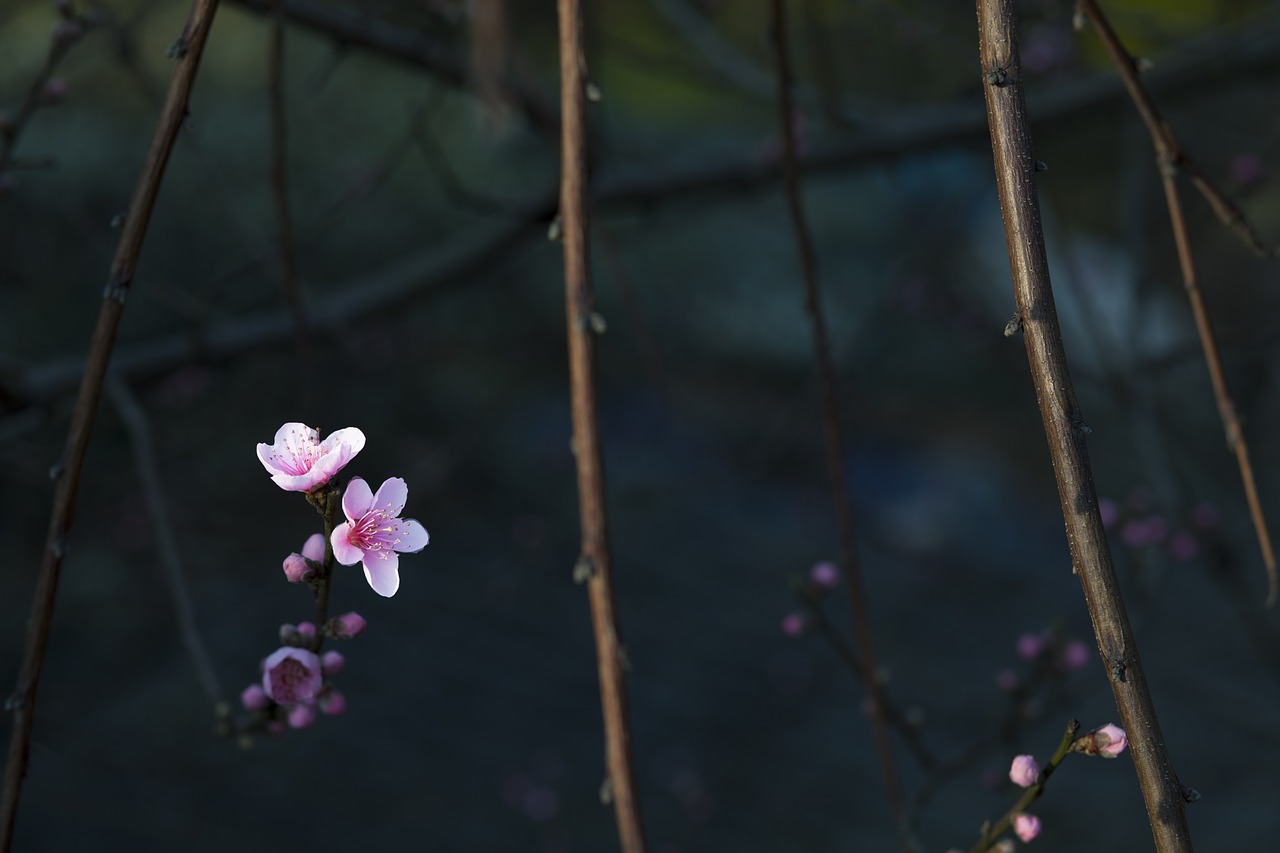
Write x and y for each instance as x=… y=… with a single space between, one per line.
x=291 y=675
x=374 y=532
x=299 y=461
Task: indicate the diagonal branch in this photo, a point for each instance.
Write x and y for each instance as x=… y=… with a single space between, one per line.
x=187 y=52
x=865 y=651
x=1171 y=157
x=1064 y=427
x=593 y=563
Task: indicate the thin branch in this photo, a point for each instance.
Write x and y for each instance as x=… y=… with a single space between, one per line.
x=186 y=52
x=135 y=422
x=1170 y=157
x=581 y=320
x=840 y=497
x=280 y=177
x=1064 y=426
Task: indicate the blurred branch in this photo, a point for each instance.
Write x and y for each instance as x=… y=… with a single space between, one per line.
x=836 y=461
x=581 y=320
x=135 y=422
x=383 y=37
x=1064 y=426
x=280 y=177
x=186 y=52
x=1170 y=157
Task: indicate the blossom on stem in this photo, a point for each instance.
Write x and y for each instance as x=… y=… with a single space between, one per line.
x=374 y=532
x=1107 y=741
x=332 y=702
x=301 y=716
x=348 y=626
x=291 y=675
x=1024 y=772
x=297 y=567
x=254 y=698
x=1026 y=826
x=299 y=461
x=331 y=663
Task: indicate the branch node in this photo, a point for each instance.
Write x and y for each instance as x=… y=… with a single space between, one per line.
x=584 y=570
x=1189 y=794
x=1014 y=325
x=998 y=77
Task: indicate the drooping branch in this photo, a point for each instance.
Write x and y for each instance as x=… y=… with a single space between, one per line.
x=593 y=562
x=1064 y=426
x=186 y=51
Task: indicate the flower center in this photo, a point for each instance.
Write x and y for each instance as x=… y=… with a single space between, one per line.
x=288 y=678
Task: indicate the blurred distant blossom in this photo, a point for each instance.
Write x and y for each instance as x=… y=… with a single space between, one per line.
x=1140 y=532
x=374 y=532
x=301 y=716
x=825 y=575
x=254 y=698
x=300 y=462
x=793 y=625
x=1030 y=646
x=1075 y=655
x=291 y=676
x=1183 y=546
x=348 y=626
x=1026 y=827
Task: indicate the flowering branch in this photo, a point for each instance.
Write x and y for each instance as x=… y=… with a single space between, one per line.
x=187 y=51
x=866 y=656
x=1034 y=789
x=1064 y=426
x=1171 y=158
x=593 y=563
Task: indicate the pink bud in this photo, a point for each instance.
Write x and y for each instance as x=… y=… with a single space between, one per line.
x=1030 y=646
x=1026 y=827
x=1115 y=740
x=1025 y=772
x=793 y=625
x=332 y=703
x=301 y=716
x=1075 y=656
x=313 y=549
x=348 y=626
x=297 y=570
x=331 y=663
x=825 y=575
x=254 y=698
x=307 y=630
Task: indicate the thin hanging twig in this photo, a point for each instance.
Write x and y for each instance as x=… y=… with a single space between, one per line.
x=840 y=497
x=1065 y=428
x=186 y=51
x=286 y=252
x=593 y=563
x=1171 y=158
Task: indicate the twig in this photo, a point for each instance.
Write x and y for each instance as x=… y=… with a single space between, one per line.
x=1170 y=157
x=1065 y=429
x=280 y=178
x=1033 y=792
x=135 y=422
x=840 y=497
x=580 y=314
x=186 y=52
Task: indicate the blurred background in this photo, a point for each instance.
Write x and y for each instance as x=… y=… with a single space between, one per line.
x=422 y=170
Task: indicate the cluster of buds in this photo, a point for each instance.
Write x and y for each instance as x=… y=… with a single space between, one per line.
x=823 y=577
x=1142 y=529
x=296 y=684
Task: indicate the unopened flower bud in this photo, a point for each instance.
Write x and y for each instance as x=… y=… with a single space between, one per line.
x=1108 y=741
x=1025 y=772
x=297 y=569
x=288 y=633
x=1026 y=826
x=307 y=630
x=254 y=698
x=1030 y=646
x=331 y=663
x=348 y=626
x=332 y=702
x=301 y=716
x=825 y=575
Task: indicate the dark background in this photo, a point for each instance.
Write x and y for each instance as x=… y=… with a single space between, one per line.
x=421 y=207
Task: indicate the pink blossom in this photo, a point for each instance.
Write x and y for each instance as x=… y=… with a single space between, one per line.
x=348 y=626
x=331 y=663
x=301 y=716
x=291 y=675
x=1026 y=826
x=793 y=625
x=307 y=630
x=1108 y=741
x=254 y=698
x=1024 y=772
x=1075 y=656
x=332 y=702
x=374 y=532
x=1030 y=646
x=825 y=575
x=297 y=567
x=300 y=462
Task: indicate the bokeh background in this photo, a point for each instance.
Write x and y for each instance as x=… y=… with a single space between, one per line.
x=422 y=157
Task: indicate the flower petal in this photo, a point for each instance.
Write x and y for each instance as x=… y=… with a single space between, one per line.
x=391 y=496
x=356 y=500
x=343 y=551
x=351 y=439
x=412 y=536
x=382 y=572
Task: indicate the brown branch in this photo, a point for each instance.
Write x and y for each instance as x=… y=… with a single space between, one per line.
x=831 y=427
x=593 y=563
x=1065 y=429
x=1170 y=157
x=135 y=422
x=280 y=178
x=187 y=52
